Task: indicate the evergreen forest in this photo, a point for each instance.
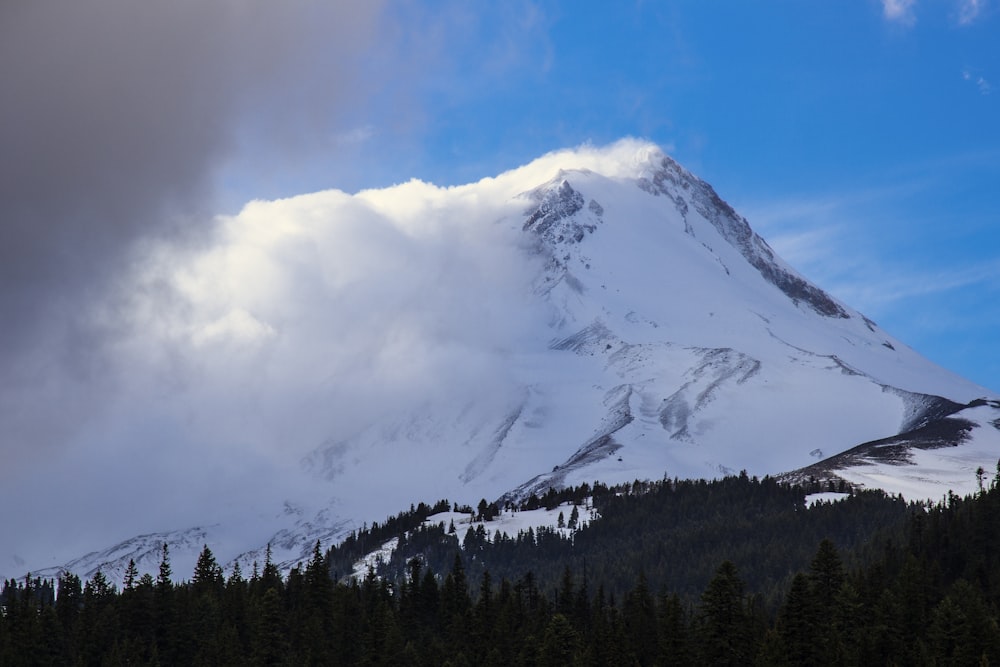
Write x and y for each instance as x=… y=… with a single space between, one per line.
x=736 y=571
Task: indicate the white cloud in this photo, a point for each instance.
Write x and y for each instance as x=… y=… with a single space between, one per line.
x=866 y=251
x=903 y=12
x=302 y=320
x=969 y=11
x=981 y=83
x=844 y=244
x=899 y=11
x=119 y=126
x=235 y=327
x=885 y=285
x=357 y=135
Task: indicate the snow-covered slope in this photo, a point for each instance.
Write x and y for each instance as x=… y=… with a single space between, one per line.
x=657 y=334
x=677 y=343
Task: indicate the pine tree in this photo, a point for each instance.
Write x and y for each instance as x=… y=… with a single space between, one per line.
x=207 y=574
x=270 y=640
x=99 y=617
x=429 y=599
x=236 y=609
x=560 y=644
x=101 y=589
x=799 y=624
x=455 y=606
x=68 y=602
x=949 y=634
x=137 y=618
x=639 y=617
x=236 y=575
x=826 y=575
x=724 y=622
x=163 y=578
x=826 y=580
x=566 y=598
x=52 y=647
x=409 y=602
x=165 y=607
x=318 y=627
x=484 y=613
x=270 y=577
x=672 y=634
x=131 y=575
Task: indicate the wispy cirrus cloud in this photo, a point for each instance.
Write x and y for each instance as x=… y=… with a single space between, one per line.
x=903 y=12
x=887 y=284
x=984 y=86
x=969 y=11
x=845 y=243
x=869 y=256
x=899 y=11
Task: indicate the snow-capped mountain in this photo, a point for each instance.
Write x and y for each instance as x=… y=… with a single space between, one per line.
x=661 y=336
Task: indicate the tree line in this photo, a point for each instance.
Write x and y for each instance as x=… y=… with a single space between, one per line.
x=923 y=593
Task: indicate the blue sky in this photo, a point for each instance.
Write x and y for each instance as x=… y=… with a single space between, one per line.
x=862 y=138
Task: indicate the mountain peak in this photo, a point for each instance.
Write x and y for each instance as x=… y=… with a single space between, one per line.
x=655 y=334
x=674 y=182
x=558 y=200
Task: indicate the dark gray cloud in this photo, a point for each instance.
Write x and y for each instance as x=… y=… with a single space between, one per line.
x=158 y=360
x=116 y=119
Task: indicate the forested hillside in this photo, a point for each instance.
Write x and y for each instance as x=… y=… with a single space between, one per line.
x=673 y=532
x=736 y=571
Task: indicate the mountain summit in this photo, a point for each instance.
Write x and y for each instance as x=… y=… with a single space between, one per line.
x=599 y=314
